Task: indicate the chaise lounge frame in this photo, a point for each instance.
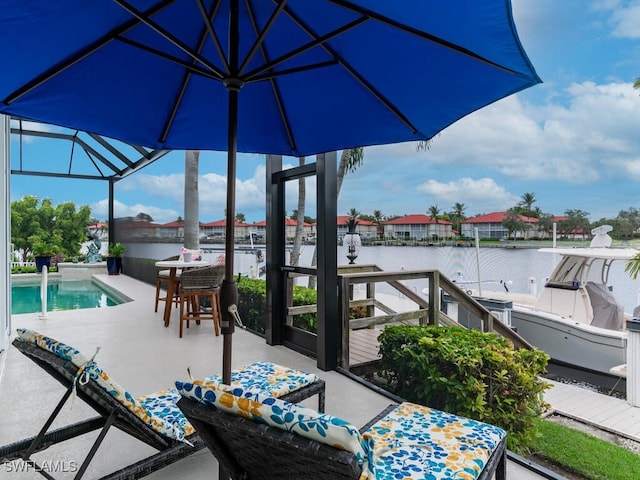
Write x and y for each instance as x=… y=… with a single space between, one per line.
x=110 y=414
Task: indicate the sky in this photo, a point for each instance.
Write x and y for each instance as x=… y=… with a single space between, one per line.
x=573 y=141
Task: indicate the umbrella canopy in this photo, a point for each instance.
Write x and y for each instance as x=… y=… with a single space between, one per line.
x=257 y=76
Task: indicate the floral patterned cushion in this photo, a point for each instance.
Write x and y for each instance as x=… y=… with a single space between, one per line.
x=287 y=416
x=414 y=439
x=266 y=377
x=156 y=411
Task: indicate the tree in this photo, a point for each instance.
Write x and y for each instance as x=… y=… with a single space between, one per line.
x=545 y=224
x=191 y=200
x=297 y=239
x=457 y=216
x=354 y=213
x=513 y=223
x=70 y=226
x=34 y=221
x=240 y=217
x=577 y=220
x=434 y=212
x=350 y=160
x=378 y=219
x=145 y=217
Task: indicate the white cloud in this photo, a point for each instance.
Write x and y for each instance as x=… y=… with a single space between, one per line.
x=626 y=22
x=484 y=192
x=160 y=215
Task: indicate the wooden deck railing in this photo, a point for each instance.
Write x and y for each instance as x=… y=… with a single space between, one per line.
x=428 y=308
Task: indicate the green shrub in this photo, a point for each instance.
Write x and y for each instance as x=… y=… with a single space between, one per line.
x=468 y=373
x=253 y=305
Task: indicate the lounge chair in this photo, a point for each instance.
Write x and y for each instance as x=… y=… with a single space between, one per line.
x=154 y=419
x=262 y=438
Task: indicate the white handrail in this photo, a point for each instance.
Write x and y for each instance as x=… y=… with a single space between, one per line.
x=43 y=291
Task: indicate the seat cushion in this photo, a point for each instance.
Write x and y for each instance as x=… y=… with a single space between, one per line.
x=170 y=423
x=414 y=439
x=267 y=377
x=286 y=416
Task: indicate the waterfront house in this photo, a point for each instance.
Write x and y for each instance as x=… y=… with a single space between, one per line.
x=418 y=227
x=216 y=230
x=491 y=226
x=365 y=228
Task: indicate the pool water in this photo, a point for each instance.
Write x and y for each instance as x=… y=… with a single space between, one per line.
x=61 y=295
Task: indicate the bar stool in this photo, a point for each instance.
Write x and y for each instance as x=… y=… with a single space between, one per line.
x=162 y=278
x=197 y=284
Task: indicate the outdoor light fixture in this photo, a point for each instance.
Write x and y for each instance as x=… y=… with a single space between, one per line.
x=351 y=240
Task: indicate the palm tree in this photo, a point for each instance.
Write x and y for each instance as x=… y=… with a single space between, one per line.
x=636 y=84
x=434 y=212
x=457 y=216
x=528 y=199
x=353 y=213
x=378 y=219
x=297 y=240
x=191 y=200
x=350 y=160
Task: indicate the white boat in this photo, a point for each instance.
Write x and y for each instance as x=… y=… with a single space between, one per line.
x=576 y=319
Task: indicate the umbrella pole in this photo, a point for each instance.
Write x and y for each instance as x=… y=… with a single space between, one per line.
x=229 y=290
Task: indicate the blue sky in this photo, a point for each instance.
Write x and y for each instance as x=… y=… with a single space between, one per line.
x=574 y=140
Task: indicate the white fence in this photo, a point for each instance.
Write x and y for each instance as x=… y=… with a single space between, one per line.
x=23 y=264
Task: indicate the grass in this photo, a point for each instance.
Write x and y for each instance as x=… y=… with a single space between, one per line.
x=584 y=454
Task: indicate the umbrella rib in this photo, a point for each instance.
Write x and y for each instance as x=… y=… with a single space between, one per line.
x=420 y=33
x=274 y=86
x=189 y=66
x=183 y=89
x=381 y=98
x=145 y=18
x=85 y=52
x=209 y=25
x=303 y=48
x=289 y=71
x=262 y=34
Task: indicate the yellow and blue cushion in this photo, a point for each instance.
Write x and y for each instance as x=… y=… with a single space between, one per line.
x=157 y=410
x=286 y=416
x=268 y=378
x=414 y=441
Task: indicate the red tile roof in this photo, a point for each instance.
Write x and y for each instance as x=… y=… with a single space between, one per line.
x=497 y=217
x=417 y=219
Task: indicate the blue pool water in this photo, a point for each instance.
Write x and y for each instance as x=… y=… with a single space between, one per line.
x=61 y=295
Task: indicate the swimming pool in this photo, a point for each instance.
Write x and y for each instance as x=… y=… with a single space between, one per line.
x=62 y=295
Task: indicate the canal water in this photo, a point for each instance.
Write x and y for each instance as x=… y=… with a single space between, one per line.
x=514 y=267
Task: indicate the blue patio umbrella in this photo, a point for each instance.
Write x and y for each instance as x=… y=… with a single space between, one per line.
x=261 y=76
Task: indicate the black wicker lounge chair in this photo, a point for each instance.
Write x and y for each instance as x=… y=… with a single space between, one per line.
x=56 y=359
x=111 y=414
x=247 y=449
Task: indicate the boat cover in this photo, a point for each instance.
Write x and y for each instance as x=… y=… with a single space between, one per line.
x=607 y=312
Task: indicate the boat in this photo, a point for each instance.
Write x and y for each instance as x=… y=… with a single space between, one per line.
x=576 y=318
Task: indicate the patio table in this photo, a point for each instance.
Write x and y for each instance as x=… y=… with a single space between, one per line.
x=173 y=266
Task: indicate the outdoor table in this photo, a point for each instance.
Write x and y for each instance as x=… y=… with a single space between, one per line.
x=173 y=266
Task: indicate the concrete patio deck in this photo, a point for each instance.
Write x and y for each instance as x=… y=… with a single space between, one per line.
x=144 y=356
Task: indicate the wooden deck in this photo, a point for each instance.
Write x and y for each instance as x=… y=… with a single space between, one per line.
x=608 y=413
x=363 y=346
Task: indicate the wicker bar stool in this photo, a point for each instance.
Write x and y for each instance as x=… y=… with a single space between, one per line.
x=195 y=285
x=162 y=278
